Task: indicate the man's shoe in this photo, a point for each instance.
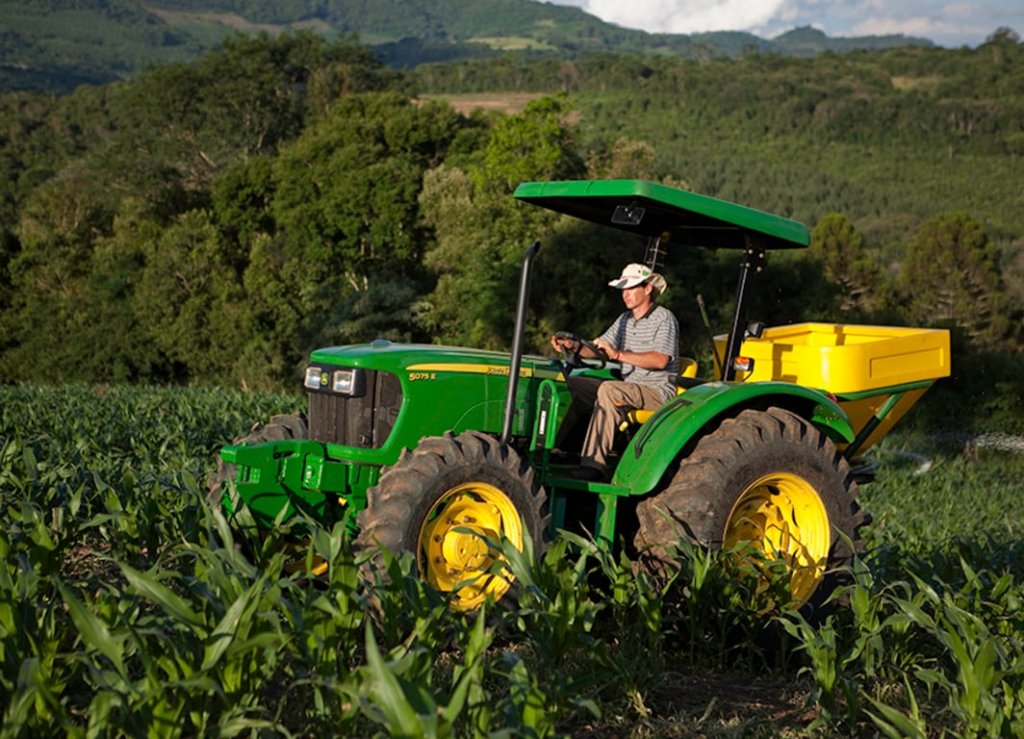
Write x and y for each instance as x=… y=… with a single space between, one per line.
x=590 y=474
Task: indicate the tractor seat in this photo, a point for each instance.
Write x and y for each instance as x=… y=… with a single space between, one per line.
x=687 y=378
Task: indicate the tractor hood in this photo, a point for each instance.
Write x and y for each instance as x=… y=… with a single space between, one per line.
x=429 y=358
x=680 y=217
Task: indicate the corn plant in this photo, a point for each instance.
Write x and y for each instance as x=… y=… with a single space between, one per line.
x=128 y=606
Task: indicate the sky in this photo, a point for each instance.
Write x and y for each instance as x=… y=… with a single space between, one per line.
x=946 y=22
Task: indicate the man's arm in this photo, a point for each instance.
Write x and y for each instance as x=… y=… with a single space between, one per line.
x=656 y=355
x=646 y=360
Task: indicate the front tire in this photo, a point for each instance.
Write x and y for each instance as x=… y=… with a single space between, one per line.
x=444 y=502
x=768 y=478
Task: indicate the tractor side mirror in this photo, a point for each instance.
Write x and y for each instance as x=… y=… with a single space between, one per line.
x=755 y=329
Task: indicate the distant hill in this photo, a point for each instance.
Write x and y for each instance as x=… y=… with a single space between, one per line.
x=807 y=41
x=54 y=45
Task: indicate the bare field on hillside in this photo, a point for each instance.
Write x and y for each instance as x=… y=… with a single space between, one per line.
x=512 y=43
x=508 y=102
x=232 y=21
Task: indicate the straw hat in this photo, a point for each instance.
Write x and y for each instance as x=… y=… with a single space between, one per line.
x=637 y=274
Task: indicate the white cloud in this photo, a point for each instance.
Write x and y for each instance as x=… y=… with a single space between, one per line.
x=947 y=22
x=919 y=26
x=686 y=16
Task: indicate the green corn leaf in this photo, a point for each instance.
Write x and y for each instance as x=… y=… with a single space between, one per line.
x=399 y=715
x=40 y=532
x=30 y=462
x=24 y=697
x=156 y=592
x=932 y=678
x=92 y=630
x=100 y=708
x=198 y=684
x=470 y=674
x=895 y=724
x=223 y=528
x=240 y=724
x=266 y=640
x=527 y=706
x=972 y=575
x=590 y=706
x=222 y=636
x=916 y=613
x=1002 y=587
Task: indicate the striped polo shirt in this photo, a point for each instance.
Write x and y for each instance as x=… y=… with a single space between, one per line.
x=655 y=331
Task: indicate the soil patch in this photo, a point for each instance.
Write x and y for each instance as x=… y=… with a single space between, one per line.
x=509 y=103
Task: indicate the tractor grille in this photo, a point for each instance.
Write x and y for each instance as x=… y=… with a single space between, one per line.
x=364 y=421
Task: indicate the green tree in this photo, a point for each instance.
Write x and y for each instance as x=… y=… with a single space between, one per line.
x=839 y=248
x=111 y=339
x=50 y=269
x=951 y=276
x=347 y=189
x=242 y=198
x=537 y=144
x=73 y=279
x=189 y=299
x=346 y=224
x=481 y=232
x=626 y=159
x=277 y=291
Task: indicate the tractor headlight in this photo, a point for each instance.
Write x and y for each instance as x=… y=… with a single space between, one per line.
x=348 y=381
x=316 y=378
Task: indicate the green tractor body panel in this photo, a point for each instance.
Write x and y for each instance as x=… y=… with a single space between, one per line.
x=281 y=477
x=687 y=417
x=439 y=389
x=399 y=394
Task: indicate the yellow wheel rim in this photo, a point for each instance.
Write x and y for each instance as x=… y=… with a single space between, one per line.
x=782 y=515
x=454 y=555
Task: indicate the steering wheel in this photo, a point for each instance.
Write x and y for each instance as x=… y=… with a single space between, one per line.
x=574 y=359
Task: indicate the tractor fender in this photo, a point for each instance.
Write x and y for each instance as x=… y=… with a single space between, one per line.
x=689 y=416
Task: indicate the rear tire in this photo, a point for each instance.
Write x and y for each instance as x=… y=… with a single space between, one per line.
x=442 y=500
x=765 y=477
x=281 y=427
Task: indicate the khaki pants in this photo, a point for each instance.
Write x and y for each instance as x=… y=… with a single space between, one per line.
x=612 y=395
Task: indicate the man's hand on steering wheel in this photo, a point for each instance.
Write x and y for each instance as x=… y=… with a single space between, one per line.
x=606 y=349
x=570 y=345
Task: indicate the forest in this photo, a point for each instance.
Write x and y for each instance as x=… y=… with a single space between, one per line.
x=212 y=222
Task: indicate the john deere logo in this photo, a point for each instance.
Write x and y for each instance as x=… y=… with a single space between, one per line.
x=324 y=379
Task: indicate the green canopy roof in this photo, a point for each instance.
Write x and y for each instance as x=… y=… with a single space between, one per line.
x=653 y=210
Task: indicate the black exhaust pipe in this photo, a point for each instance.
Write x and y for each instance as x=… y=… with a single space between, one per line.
x=517 y=341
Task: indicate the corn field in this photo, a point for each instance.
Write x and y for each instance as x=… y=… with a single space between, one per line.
x=128 y=607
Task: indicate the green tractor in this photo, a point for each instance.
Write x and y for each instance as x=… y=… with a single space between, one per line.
x=444 y=451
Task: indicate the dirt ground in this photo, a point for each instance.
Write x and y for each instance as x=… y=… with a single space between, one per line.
x=708 y=704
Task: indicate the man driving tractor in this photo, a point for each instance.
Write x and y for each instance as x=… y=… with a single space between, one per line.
x=645 y=339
